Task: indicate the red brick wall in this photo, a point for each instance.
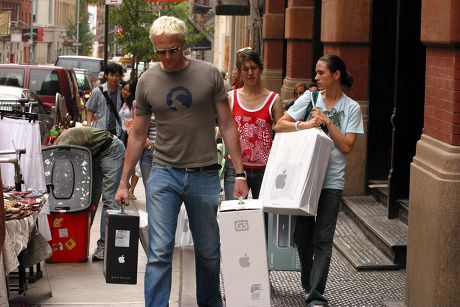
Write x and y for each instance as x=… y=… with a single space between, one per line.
x=356 y=59
x=273 y=54
x=442 y=94
x=299 y=3
x=274 y=7
x=298 y=59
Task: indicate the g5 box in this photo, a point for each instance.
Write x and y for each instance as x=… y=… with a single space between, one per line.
x=121 y=246
x=244 y=253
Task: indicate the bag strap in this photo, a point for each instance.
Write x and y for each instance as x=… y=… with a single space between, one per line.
x=110 y=104
x=312 y=104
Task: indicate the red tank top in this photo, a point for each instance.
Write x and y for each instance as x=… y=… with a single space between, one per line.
x=255 y=130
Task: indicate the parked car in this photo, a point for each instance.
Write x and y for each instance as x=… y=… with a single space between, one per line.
x=85 y=83
x=45 y=81
x=10 y=98
x=92 y=64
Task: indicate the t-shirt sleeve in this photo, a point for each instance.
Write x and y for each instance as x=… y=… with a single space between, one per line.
x=142 y=106
x=299 y=108
x=91 y=104
x=220 y=93
x=355 y=120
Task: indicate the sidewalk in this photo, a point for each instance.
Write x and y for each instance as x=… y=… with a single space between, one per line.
x=83 y=284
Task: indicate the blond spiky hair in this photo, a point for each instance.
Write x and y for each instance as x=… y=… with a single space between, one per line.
x=167 y=25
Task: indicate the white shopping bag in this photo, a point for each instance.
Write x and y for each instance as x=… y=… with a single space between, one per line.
x=143 y=230
x=183 y=233
x=295 y=172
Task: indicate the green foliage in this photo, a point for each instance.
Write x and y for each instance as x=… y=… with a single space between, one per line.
x=85 y=36
x=135 y=17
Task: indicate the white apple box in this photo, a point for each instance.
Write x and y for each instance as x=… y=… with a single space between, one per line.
x=244 y=253
x=295 y=172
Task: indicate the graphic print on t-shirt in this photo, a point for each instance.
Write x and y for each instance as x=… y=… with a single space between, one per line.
x=178 y=95
x=255 y=138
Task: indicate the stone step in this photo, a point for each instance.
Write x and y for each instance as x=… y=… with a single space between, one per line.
x=350 y=240
x=390 y=236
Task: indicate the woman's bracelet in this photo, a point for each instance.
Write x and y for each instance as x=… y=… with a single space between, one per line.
x=297 y=125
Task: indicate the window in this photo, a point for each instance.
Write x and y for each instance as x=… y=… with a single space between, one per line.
x=44 y=82
x=12 y=77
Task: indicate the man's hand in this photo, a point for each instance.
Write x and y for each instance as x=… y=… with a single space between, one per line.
x=240 y=189
x=122 y=193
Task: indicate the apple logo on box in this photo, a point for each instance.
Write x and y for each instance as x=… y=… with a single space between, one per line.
x=244 y=261
x=281 y=180
x=121 y=259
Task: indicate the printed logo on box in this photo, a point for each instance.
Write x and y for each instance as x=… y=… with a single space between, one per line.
x=244 y=261
x=241 y=225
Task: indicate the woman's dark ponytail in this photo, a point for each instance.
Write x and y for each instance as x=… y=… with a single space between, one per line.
x=335 y=63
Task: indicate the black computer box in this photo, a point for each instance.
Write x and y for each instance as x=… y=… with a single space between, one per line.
x=121 y=246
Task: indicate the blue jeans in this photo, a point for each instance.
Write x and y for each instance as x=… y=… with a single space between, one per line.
x=254 y=178
x=314 y=238
x=107 y=168
x=145 y=163
x=199 y=190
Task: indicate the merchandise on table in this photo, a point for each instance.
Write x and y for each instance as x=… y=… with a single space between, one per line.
x=22 y=204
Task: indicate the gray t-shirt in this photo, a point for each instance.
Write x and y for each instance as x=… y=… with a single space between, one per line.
x=184 y=106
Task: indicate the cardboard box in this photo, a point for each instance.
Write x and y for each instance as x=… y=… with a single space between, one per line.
x=121 y=247
x=295 y=172
x=244 y=256
x=282 y=253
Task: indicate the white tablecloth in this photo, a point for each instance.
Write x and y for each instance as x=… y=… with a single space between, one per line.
x=20 y=234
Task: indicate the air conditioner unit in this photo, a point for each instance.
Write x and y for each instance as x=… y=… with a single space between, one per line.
x=232 y=7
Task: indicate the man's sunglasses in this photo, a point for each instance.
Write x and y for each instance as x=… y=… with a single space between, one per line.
x=164 y=51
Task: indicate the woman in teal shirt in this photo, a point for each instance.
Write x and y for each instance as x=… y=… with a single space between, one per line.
x=341 y=117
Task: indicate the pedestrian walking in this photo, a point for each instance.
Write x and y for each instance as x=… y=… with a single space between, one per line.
x=105 y=102
x=101 y=79
x=299 y=89
x=341 y=117
x=235 y=79
x=255 y=109
x=186 y=96
x=107 y=153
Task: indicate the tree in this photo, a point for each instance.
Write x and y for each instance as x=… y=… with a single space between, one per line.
x=85 y=36
x=134 y=18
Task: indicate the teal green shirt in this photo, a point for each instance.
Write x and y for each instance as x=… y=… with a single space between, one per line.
x=346 y=115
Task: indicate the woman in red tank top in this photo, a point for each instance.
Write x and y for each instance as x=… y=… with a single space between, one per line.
x=255 y=110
